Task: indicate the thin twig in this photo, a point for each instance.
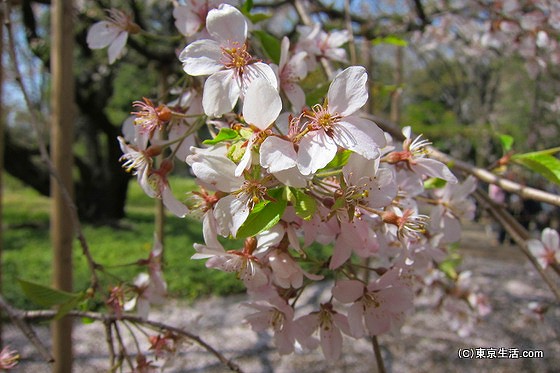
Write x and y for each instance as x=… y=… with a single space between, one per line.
x=378 y=356
x=47 y=314
x=18 y=319
x=480 y=173
x=123 y=351
x=109 y=339
x=45 y=158
x=517 y=232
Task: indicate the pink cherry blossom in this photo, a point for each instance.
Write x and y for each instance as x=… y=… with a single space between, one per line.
x=8 y=358
x=413 y=156
x=246 y=265
x=318 y=43
x=191 y=17
x=226 y=59
x=453 y=205
x=279 y=317
x=547 y=249
x=333 y=124
x=331 y=324
x=290 y=70
x=381 y=305
x=112 y=32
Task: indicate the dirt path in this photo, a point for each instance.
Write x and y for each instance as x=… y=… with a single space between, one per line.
x=424 y=344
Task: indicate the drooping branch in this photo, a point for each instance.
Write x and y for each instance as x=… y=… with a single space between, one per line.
x=22 y=317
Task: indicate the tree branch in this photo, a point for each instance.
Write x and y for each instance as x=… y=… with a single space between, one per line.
x=105 y=318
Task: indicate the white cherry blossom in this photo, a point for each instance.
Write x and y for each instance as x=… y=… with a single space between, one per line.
x=333 y=124
x=225 y=58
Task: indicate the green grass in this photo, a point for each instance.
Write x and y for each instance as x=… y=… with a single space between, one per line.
x=27 y=247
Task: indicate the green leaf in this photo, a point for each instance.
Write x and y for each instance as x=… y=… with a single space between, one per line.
x=339 y=160
x=246 y=7
x=270 y=44
x=317 y=95
x=258 y=17
x=434 y=183
x=224 y=135
x=304 y=204
x=392 y=40
x=450 y=264
x=44 y=295
x=507 y=142
x=264 y=215
x=541 y=163
x=70 y=305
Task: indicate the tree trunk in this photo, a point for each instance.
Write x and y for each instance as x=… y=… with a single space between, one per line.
x=62 y=140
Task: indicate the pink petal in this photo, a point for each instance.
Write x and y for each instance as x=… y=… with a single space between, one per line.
x=331 y=343
x=347 y=291
x=431 y=167
x=348 y=91
x=186 y=21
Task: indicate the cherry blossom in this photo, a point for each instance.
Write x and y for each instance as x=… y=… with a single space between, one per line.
x=112 y=33
x=381 y=305
x=413 y=156
x=190 y=18
x=453 y=205
x=318 y=43
x=226 y=59
x=279 y=317
x=8 y=358
x=333 y=124
x=547 y=249
x=331 y=325
x=290 y=70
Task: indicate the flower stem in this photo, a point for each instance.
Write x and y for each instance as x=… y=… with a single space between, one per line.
x=378 y=356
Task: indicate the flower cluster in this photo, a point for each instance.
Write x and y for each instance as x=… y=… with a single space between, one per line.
x=281 y=173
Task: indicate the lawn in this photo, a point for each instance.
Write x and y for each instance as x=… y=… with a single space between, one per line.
x=27 y=248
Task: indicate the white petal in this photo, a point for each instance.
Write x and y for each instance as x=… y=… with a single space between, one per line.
x=359 y=135
x=247 y=158
x=230 y=213
x=348 y=91
x=259 y=70
x=292 y=177
x=221 y=92
x=172 y=203
x=431 y=167
x=316 y=150
x=550 y=239
x=277 y=154
x=262 y=103
x=227 y=25
x=101 y=34
x=201 y=57
x=117 y=46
